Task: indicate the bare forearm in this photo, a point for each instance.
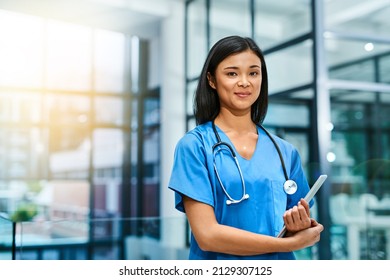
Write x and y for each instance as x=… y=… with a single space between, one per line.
x=215 y=237
x=225 y=239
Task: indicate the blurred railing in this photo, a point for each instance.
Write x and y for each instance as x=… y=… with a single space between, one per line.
x=111 y=239
x=162 y=239
x=7 y=238
x=108 y=239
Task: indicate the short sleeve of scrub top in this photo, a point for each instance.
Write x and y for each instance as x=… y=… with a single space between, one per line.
x=190 y=173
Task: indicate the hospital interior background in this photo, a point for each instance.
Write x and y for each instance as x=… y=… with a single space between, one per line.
x=94 y=95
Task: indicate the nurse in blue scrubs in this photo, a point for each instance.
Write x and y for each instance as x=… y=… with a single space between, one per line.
x=229 y=173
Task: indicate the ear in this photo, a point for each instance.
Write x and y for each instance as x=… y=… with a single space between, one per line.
x=211 y=80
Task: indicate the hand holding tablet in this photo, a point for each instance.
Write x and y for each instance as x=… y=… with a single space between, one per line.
x=317 y=185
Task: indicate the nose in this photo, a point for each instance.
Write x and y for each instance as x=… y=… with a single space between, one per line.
x=243 y=82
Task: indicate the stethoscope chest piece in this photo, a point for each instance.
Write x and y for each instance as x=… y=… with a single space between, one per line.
x=290 y=187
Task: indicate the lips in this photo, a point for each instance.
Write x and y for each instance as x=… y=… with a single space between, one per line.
x=242 y=93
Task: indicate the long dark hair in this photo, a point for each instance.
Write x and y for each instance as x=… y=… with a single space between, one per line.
x=206 y=100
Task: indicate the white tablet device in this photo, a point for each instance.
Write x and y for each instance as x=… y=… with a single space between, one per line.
x=317 y=185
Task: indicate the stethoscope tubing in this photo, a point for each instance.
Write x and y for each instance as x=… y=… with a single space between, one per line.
x=230 y=200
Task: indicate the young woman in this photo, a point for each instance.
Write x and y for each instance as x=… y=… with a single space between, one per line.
x=238 y=184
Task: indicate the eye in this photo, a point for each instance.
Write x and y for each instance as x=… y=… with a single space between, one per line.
x=254 y=74
x=231 y=74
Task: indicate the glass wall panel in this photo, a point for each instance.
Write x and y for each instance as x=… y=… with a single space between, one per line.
x=107 y=148
x=190 y=96
x=6 y=236
x=290 y=67
x=151 y=174
x=384 y=69
x=307 y=94
x=21 y=50
x=384 y=113
x=20 y=107
x=23 y=152
x=287 y=115
x=225 y=21
x=66 y=109
x=360 y=174
x=352 y=56
x=197 y=47
x=69 y=152
x=109 y=110
x=109 y=68
x=358 y=16
x=363 y=71
x=68 y=57
x=64 y=132
x=280 y=21
x=152 y=112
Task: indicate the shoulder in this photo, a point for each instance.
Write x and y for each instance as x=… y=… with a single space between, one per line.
x=196 y=137
x=197 y=133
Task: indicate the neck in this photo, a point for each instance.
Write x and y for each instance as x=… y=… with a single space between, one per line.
x=240 y=124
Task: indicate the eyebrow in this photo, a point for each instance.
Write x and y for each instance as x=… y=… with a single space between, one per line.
x=235 y=67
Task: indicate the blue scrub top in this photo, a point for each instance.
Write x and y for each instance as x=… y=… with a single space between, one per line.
x=193 y=175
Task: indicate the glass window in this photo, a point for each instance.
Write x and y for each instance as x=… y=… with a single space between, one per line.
x=290 y=67
x=362 y=71
x=190 y=96
x=361 y=17
x=69 y=59
x=67 y=109
x=300 y=141
x=358 y=141
x=109 y=61
x=345 y=114
x=109 y=110
x=287 y=115
x=353 y=56
x=69 y=152
x=107 y=148
x=152 y=111
x=6 y=235
x=307 y=94
x=64 y=118
x=386 y=151
x=21 y=48
x=384 y=69
x=280 y=21
x=348 y=171
x=23 y=108
x=196 y=37
x=225 y=20
x=151 y=172
x=383 y=112
x=23 y=152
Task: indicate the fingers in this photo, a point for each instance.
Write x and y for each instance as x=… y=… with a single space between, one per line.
x=298 y=217
x=305 y=204
x=319 y=227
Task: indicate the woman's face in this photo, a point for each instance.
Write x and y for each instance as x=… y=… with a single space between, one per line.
x=237 y=81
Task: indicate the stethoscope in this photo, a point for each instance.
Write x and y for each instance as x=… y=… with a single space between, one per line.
x=290 y=186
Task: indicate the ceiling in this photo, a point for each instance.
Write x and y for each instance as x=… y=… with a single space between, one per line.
x=125 y=15
x=117 y=15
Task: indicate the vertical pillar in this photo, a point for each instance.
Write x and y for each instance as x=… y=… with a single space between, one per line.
x=321 y=135
x=173 y=120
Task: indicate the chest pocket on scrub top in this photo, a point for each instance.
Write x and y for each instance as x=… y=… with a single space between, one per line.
x=280 y=204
